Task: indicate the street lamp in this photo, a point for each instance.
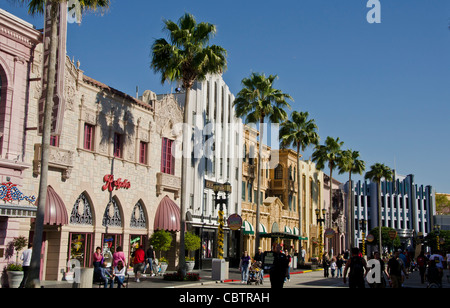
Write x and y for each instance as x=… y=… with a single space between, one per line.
x=320 y=220
x=362 y=224
x=437 y=228
x=221 y=202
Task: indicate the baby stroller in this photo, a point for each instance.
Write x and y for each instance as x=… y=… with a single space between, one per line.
x=254 y=274
x=156 y=268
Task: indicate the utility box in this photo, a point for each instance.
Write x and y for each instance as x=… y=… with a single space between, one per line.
x=220 y=269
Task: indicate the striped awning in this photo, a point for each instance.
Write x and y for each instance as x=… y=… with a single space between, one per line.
x=167 y=216
x=55 y=209
x=248 y=228
x=296 y=231
x=262 y=229
x=288 y=230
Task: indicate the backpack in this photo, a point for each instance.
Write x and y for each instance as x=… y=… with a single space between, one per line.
x=356 y=268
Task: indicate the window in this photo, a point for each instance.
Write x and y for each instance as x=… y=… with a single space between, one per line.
x=54 y=141
x=143 y=152
x=117 y=145
x=279 y=172
x=88 y=137
x=167 y=159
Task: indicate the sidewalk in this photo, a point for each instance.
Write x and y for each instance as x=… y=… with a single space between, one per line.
x=158 y=281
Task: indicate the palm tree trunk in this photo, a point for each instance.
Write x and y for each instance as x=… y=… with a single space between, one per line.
x=257 y=237
x=299 y=203
x=35 y=266
x=351 y=214
x=184 y=166
x=330 y=211
x=379 y=216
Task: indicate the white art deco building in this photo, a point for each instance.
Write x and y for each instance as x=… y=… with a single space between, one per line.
x=216 y=158
x=406 y=206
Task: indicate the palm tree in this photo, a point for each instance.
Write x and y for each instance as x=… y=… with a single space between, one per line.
x=187 y=58
x=329 y=153
x=375 y=174
x=350 y=163
x=38 y=7
x=299 y=132
x=257 y=101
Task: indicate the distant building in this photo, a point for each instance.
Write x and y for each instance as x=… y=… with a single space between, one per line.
x=406 y=207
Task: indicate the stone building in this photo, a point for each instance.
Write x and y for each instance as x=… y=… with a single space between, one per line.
x=279 y=213
x=18 y=41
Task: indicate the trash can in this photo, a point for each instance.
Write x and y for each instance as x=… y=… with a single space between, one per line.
x=219 y=269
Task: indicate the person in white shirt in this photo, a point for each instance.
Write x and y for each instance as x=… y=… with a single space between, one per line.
x=26 y=258
x=448 y=260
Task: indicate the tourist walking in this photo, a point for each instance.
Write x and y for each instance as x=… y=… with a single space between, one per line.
x=288 y=270
x=358 y=270
x=395 y=269
x=422 y=261
x=150 y=255
x=339 y=264
x=259 y=257
x=333 y=267
x=138 y=263
x=278 y=268
x=326 y=265
x=26 y=258
x=382 y=272
x=244 y=266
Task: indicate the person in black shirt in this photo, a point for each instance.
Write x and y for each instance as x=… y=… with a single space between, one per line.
x=278 y=268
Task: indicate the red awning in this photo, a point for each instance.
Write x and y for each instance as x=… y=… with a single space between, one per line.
x=55 y=209
x=167 y=216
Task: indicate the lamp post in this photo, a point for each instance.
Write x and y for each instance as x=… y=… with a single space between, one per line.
x=221 y=201
x=320 y=220
x=437 y=228
x=362 y=224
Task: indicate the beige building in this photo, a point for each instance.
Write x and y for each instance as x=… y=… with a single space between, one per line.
x=279 y=214
x=109 y=172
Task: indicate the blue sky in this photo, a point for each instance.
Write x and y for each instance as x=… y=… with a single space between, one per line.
x=384 y=89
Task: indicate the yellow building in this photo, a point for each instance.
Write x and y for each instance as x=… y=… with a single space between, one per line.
x=279 y=214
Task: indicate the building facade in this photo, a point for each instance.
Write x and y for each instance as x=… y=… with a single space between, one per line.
x=279 y=212
x=406 y=207
x=112 y=178
x=18 y=41
x=216 y=147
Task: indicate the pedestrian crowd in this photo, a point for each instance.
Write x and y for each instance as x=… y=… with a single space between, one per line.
x=112 y=268
x=393 y=268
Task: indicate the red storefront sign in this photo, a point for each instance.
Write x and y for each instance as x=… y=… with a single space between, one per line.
x=110 y=184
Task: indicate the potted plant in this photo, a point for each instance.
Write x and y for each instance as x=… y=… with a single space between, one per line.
x=15 y=270
x=191 y=243
x=163 y=263
x=161 y=241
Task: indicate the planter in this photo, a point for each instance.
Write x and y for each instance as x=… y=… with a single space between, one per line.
x=190 y=266
x=14 y=279
x=163 y=268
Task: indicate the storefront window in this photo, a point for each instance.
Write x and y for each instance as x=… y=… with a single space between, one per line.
x=136 y=241
x=81 y=248
x=208 y=249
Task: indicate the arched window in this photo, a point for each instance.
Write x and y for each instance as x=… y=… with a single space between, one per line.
x=112 y=217
x=279 y=172
x=138 y=220
x=82 y=212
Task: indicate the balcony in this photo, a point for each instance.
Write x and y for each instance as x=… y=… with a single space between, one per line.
x=168 y=182
x=59 y=159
